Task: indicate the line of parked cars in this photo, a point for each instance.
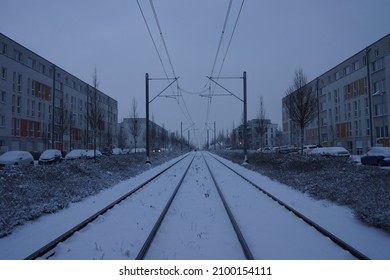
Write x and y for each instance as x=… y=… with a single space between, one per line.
x=375 y=156
x=46 y=157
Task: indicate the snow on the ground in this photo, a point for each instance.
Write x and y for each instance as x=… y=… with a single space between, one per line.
x=340 y=220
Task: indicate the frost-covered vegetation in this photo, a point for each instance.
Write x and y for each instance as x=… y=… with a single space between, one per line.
x=365 y=189
x=27 y=192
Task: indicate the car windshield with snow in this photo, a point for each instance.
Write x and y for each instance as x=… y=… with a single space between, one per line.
x=50 y=156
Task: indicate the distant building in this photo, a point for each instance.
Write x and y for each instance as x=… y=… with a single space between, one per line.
x=34 y=117
x=159 y=137
x=256 y=139
x=353 y=103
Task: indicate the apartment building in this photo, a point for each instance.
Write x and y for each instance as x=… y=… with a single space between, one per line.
x=158 y=135
x=256 y=139
x=43 y=106
x=353 y=103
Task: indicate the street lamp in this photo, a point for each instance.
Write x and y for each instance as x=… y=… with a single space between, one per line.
x=380 y=93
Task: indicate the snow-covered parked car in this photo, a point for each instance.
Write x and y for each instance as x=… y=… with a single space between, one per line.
x=76 y=154
x=16 y=158
x=50 y=156
x=377 y=156
x=117 y=151
x=91 y=153
x=265 y=150
x=330 y=151
x=307 y=149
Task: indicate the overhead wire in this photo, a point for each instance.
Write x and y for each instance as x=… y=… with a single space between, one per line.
x=224 y=57
x=151 y=37
x=183 y=106
x=184 y=110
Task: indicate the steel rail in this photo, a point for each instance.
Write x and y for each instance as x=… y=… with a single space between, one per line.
x=241 y=239
x=52 y=244
x=145 y=247
x=356 y=253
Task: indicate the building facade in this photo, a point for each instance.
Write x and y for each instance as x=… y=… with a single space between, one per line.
x=353 y=104
x=159 y=136
x=43 y=106
x=256 y=139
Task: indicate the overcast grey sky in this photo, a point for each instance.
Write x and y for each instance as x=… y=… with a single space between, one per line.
x=272 y=39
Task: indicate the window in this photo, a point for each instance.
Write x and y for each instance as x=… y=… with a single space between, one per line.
x=5 y=48
x=367 y=127
x=337 y=75
x=378 y=65
x=39 y=109
x=356 y=65
x=18 y=55
x=355 y=109
x=13 y=103
x=2 y=121
x=3 y=73
x=19 y=104
x=336 y=96
x=3 y=97
x=14 y=81
x=16 y=127
x=43 y=110
x=20 y=81
x=42 y=68
x=347 y=70
x=28 y=107
x=31 y=63
x=33 y=108
x=31 y=129
x=376 y=53
x=33 y=88
x=380 y=86
x=39 y=90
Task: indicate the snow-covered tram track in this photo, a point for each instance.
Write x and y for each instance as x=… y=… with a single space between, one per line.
x=49 y=250
x=268 y=226
x=196 y=223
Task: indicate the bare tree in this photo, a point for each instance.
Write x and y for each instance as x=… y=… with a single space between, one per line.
x=134 y=124
x=153 y=133
x=262 y=122
x=95 y=115
x=62 y=122
x=301 y=103
x=122 y=137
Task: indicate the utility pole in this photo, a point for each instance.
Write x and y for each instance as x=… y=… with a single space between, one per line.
x=208 y=141
x=181 y=136
x=189 y=146
x=215 y=138
x=244 y=100
x=147 y=117
x=245 y=122
x=147 y=102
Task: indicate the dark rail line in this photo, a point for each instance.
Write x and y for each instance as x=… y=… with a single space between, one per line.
x=241 y=239
x=359 y=255
x=52 y=244
x=152 y=234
